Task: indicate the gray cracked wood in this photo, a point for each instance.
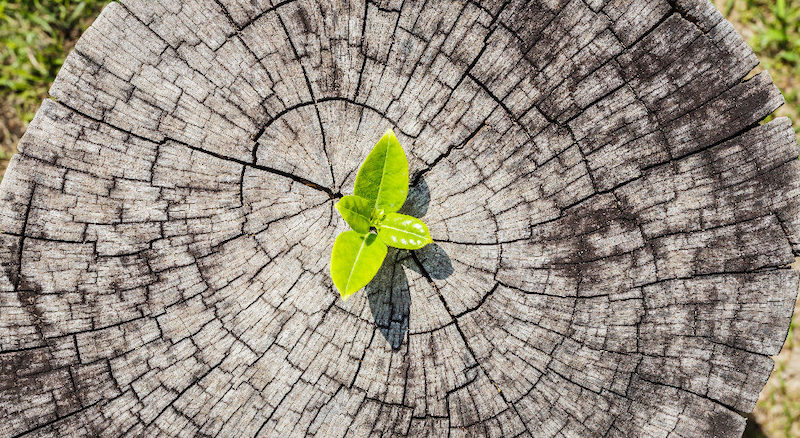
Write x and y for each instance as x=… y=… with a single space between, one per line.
x=613 y=225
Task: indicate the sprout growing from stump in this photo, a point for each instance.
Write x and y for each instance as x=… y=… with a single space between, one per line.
x=380 y=190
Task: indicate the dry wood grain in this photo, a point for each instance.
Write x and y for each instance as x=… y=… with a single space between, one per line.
x=613 y=225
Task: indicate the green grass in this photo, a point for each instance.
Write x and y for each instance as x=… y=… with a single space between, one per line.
x=777 y=40
x=36 y=37
x=775 y=26
x=773 y=30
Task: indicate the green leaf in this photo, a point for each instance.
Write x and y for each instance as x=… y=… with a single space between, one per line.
x=383 y=178
x=355 y=260
x=356 y=211
x=403 y=231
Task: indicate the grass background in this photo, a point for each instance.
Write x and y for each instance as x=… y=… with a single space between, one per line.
x=773 y=30
x=36 y=35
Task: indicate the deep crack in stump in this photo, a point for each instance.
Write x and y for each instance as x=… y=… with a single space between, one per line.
x=614 y=227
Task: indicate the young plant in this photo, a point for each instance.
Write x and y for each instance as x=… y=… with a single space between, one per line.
x=380 y=190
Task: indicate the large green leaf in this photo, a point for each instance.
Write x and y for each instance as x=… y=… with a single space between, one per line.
x=355 y=260
x=383 y=178
x=356 y=211
x=403 y=231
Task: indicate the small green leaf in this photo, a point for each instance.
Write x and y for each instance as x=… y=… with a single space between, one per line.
x=383 y=178
x=356 y=211
x=403 y=231
x=355 y=260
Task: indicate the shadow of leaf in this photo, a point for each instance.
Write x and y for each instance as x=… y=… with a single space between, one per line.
x=419 y=197
x=388 y=293
x=435 y=261
x=389 y=298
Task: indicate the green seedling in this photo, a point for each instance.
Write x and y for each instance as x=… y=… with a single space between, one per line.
x=380 y=190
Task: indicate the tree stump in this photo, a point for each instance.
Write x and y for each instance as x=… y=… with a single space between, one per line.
x=613 y=226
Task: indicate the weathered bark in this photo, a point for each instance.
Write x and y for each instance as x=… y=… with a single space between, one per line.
x=613 y=225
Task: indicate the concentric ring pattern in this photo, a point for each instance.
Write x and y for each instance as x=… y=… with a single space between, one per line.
x=613 y=226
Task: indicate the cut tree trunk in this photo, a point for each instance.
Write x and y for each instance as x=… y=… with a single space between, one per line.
x=613 y=226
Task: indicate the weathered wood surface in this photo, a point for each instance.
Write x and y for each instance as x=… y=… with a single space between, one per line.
x=613 y=226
